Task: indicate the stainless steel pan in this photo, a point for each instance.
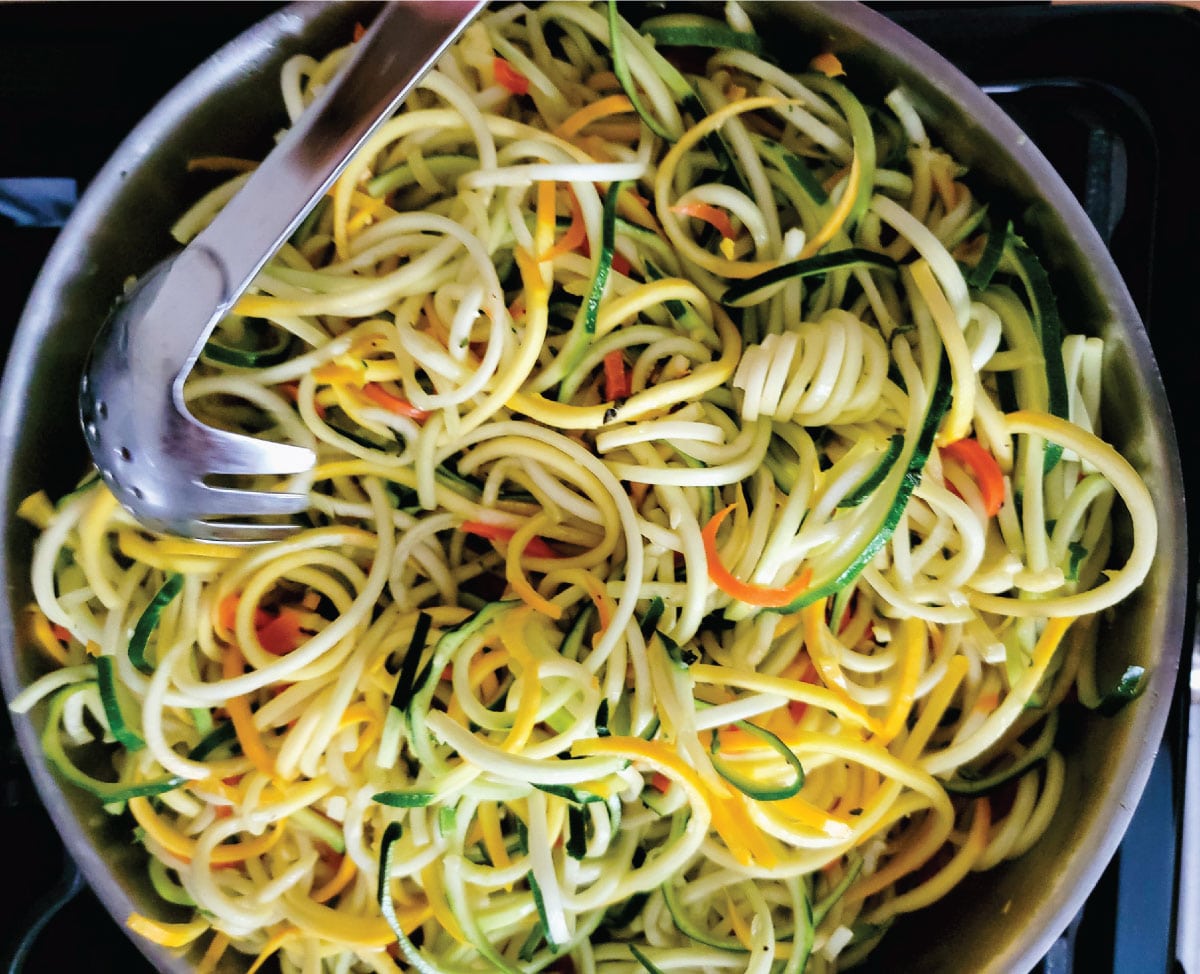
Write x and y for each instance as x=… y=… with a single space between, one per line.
x=1000 y=922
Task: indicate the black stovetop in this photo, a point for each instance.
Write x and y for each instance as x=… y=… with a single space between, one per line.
x=1105 y=90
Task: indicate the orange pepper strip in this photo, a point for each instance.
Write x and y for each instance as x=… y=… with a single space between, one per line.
x=278 y=634
x=730 y=819
x=597 y=591
x=983 y=468
x=546 y=218
x=768 y=598
x=488 y=817
x=361 y=713
x=603 y=108
x=514 y=572
x=828 y=64
x=338 y=882
x=827 y=666
x=392 y=403
x=172 y=935
x=913 y=636
x=575 y=235
x=277 y=940
x=212 y=956
x=238 y=709
x=708 y=214
x=45 y=638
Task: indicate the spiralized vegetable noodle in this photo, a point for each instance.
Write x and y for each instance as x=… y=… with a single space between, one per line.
x=710 y=525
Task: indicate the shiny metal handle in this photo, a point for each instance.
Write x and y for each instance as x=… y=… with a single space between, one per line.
x=401 y=45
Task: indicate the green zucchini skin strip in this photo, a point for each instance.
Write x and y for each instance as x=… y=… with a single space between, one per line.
x=576 y=844
x=117 y=723
x=938 y=405
x=406 y=680
x=1021 y=260
x=540 y=903
x=654 y=611
x=108 y=792
x=980 y=276
x=731 y=944
x=1130 y=686
x=576 y=796
x=426 y=681
x=530 y=948
x=743 y=293
x=384 y=895
x=853 y=870
x=744 y=785
x=1039 y=750
x=117 y=792
x=693 y=932
x=148 y=622
x=794 y=166
x=573 y=642
x=402 y=176
x=585 y=331
x=404 y=799
x=687 y=30
x=876 y=476
x=621 y=70
x=862 y=136
x=647 y=965
x=219 y=736
x=216 y=350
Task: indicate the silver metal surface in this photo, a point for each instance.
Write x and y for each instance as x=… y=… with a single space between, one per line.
x=155 y=455
x=1187 y=948
x=1001 y=922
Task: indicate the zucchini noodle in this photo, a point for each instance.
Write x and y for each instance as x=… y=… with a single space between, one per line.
x=709 y=524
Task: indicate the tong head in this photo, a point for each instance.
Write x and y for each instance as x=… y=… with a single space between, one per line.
x=164 y=465
x=156 y=457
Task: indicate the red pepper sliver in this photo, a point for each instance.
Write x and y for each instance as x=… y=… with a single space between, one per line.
x=292 y=391
x=982 y=467
x=227 y=614
x=510 y=77
x=281 y=634
x=537 y=547
x=660 y=782
x=617 y=380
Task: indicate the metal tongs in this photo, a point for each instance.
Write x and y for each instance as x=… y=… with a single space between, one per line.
x=156 y=457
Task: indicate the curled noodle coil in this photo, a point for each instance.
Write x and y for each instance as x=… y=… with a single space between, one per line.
x=830 y=372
